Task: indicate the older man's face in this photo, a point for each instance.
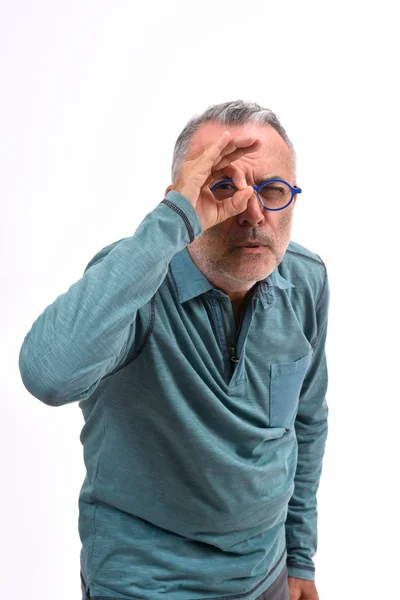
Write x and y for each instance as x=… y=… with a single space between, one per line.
x=215 y=252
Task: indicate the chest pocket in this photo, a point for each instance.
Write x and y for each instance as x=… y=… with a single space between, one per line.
x=286 y=380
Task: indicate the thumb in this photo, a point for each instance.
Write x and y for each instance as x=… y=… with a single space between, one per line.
x=238 y=202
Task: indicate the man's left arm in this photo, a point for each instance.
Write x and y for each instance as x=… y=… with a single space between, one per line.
x=311 y=428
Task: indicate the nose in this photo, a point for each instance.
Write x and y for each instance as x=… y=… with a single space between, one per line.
x=255 y=213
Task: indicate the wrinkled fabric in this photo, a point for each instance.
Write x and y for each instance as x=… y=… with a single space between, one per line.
x=201 y=472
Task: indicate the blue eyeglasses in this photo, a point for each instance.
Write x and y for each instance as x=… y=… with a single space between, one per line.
x=275 y=194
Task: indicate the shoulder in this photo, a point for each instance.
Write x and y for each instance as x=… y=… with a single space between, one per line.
x=305 y=269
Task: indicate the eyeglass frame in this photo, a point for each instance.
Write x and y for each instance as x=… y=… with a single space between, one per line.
x=295 y=190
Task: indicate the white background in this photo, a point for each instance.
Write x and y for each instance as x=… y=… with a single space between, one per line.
x=93 y=97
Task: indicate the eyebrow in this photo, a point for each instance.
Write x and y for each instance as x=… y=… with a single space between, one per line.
x=259 y=181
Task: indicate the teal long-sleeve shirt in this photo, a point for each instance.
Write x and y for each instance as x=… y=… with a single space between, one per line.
x=201 y=472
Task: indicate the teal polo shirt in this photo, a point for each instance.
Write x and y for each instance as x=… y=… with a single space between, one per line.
x=202 y=442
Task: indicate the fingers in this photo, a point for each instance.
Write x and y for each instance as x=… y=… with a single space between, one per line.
x=226 y=149
x=237 y=153
x=215 y=161
x=231 y=171
x=236 y=174
x=237 y=203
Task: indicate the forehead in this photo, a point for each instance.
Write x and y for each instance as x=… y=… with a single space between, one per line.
x=274 y=151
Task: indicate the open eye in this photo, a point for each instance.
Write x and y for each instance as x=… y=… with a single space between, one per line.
x=225 y=185
x=223 y=190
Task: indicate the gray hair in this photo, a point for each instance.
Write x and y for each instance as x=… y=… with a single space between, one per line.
x=238 y=112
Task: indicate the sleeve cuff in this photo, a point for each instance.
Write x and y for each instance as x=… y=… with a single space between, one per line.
x=188 y=208
x=301 y=572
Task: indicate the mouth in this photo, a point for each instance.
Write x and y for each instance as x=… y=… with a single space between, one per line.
x=251 y=245
x=254 y=249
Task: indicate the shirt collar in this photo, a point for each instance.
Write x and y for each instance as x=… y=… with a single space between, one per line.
x=191 y=282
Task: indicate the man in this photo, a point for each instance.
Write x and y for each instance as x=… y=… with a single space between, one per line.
x=196 y=350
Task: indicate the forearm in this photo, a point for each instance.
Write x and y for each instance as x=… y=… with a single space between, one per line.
x=302 y=518
x=87 y=330
x=311 y=427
